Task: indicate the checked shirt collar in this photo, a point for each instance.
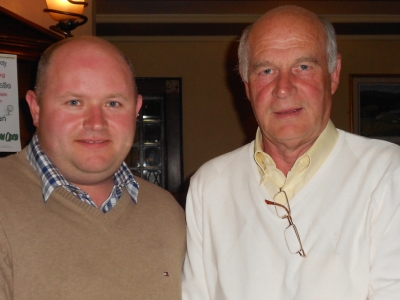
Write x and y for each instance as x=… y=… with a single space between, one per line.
x=51 y=178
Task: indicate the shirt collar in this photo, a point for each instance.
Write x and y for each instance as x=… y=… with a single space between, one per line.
x=320 y=150
x=315 y=156
x=51 y=177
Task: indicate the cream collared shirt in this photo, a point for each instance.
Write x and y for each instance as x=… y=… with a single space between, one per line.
x=303 y=169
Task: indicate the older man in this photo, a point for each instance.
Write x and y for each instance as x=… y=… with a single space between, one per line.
x=74 y=222
x=305 y=211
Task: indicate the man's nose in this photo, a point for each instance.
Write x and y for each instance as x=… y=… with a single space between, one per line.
x=95 y=119
x=284 y=85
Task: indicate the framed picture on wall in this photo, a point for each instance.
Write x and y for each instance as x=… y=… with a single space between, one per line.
x=375 y=106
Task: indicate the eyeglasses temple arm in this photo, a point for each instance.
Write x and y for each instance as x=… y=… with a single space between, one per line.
x=269 y=202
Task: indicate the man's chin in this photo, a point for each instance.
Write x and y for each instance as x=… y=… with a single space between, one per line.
x=94 y=167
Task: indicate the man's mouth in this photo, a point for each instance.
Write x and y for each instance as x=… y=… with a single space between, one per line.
x=291 y=111
x=94 y=142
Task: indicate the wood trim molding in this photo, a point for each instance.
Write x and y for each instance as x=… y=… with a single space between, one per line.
x=25 y=49
x=222 y=25
x=231 y=18
x=228 y=38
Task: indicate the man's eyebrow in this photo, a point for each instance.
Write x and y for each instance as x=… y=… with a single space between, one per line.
x=261 y=64
x=267 y=63
x=310 y=59
x=116 y=95
x=72 y=95
x=108 y=96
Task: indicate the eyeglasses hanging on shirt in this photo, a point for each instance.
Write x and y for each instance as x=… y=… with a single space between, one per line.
x=282 y=209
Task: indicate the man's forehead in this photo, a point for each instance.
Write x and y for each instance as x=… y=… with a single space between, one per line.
x=82 y=48
x=281 y=32
x=291 y=25
x=87 y=55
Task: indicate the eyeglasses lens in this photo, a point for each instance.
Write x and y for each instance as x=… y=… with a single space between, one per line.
x=280 y=198
x=292 y=239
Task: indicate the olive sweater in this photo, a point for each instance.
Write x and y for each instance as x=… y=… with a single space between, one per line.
x=67 y=249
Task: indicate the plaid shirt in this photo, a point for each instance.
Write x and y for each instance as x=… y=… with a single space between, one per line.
x=52 y=178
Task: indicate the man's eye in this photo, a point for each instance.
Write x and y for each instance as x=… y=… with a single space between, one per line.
x=113 y=104
x=303 y=67
x=267 y=71
x=73 y=102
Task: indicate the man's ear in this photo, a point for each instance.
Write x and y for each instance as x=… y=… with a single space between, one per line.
x=33 y=106
x=335 y=76
x=246 y=86
x=139 y=102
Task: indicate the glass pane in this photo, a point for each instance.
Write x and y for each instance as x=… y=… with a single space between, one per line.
x=153 y=176
x=136 y=173
x=151 y=109
x=151 y=133
x=152 y=157
x=137 y=134
x=135 y=157
x=172 y=86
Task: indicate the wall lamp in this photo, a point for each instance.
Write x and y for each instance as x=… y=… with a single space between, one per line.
x=68 y=13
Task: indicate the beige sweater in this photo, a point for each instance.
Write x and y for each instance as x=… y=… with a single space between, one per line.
x=67 y=249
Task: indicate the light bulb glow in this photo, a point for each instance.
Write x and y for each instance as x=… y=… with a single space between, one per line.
x=64 y=5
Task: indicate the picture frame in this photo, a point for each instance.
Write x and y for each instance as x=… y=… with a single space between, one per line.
x=375 y=106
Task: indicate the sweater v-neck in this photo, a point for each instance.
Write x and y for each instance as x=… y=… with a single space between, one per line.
x=94 y=213
x=300 y=196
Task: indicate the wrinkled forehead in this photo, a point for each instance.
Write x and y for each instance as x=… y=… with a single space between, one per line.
x=287 y=26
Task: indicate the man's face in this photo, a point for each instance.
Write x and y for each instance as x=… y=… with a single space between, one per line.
x=289 y=85
x=86 y=117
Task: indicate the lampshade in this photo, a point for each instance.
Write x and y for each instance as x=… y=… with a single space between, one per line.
x=65 y=6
